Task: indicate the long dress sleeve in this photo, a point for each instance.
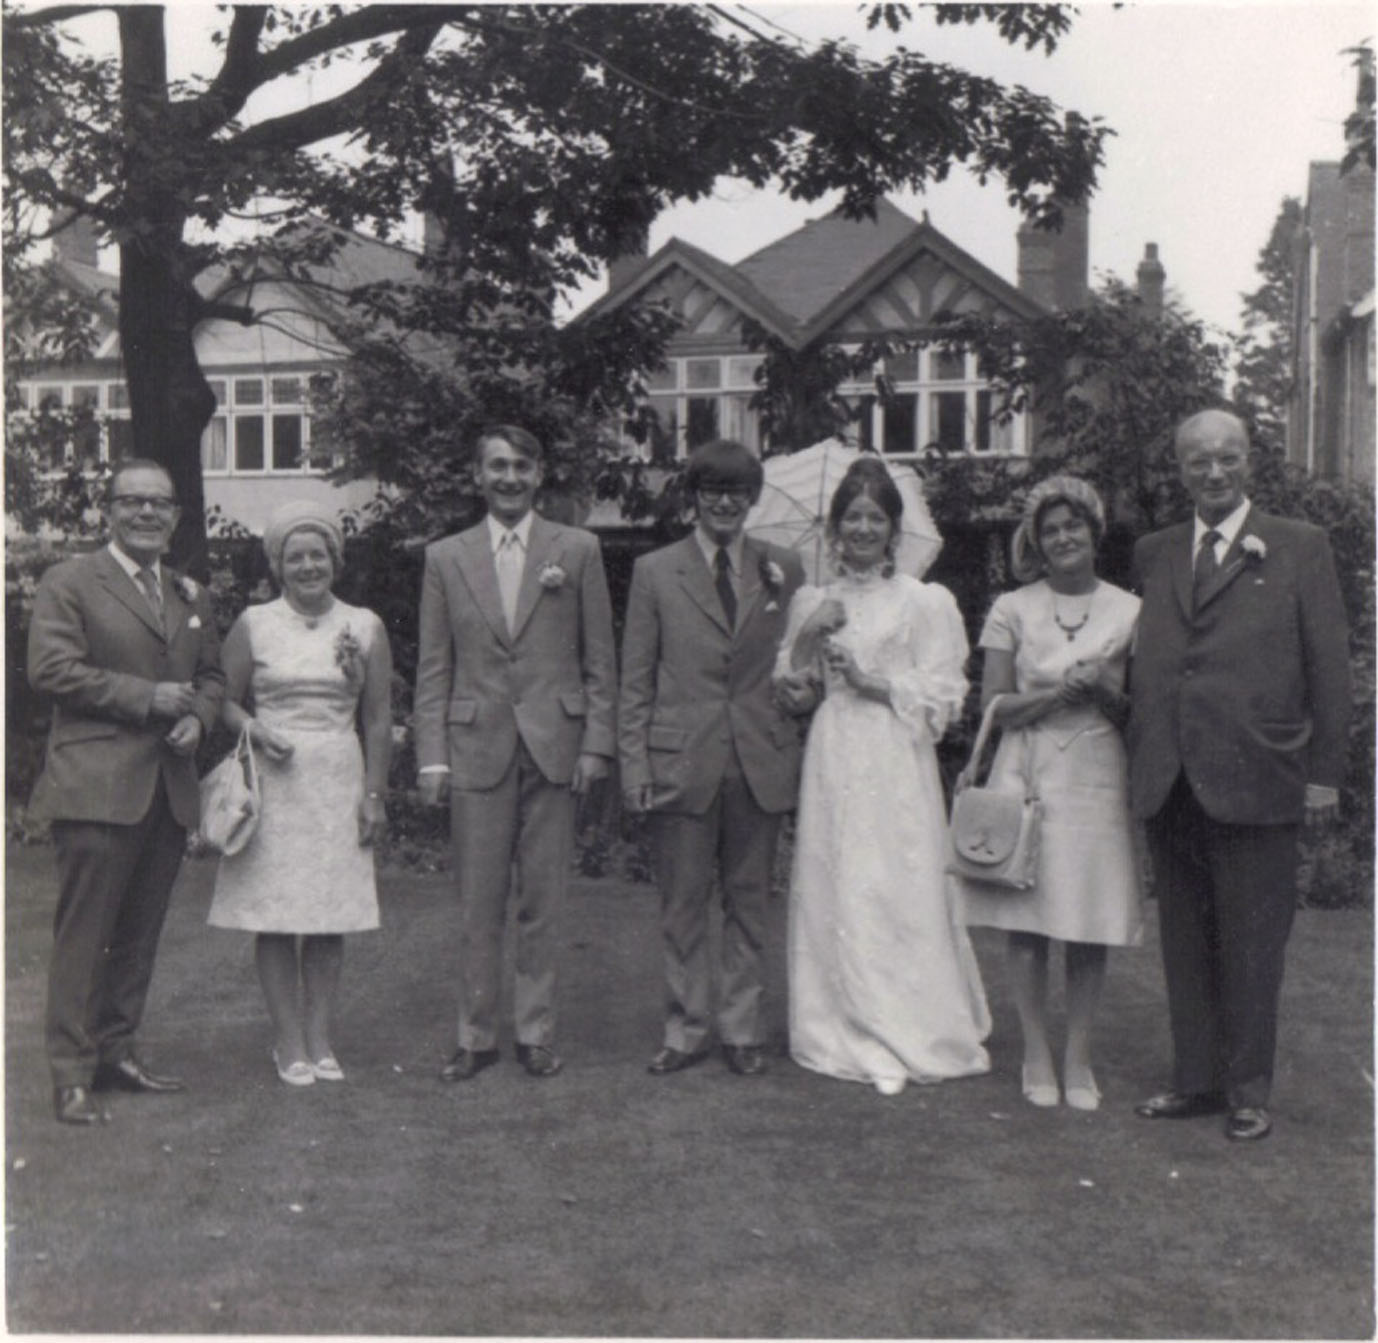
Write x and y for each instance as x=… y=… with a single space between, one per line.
x=928 y=695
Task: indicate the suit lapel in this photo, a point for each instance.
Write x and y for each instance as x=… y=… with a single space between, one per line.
x=175 y=610
x=1180 y=566
x=540 y=543
x=121 y=587
x=1233 y=564
x=751 y=585
x=475 y=563
x=697 y=581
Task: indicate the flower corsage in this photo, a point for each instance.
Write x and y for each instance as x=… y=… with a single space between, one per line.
x=186 y=588
x=1254 y=549
x=552 y=577
x=349 y=656
x=773 y=579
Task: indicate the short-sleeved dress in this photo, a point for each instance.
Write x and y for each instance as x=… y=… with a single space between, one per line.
x=305 y=871
x=883 y=982
x=1088 y=887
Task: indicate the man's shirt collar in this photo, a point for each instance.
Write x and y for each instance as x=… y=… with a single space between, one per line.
x=131 y=566
x=710 y=548
x=1227 y=527
x=497 y=530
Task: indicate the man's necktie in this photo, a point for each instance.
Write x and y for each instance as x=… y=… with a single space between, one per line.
x=722 y=568
x=1206 y=565
x=152 y=592
x=509 y=576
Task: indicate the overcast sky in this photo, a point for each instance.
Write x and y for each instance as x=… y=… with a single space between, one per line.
x=1217 y=109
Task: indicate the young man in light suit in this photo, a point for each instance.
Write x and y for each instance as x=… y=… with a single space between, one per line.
x=705 y=749
x=1239 y=709
x=514 y=708
x=128 y=651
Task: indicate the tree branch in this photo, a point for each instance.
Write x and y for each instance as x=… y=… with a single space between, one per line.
x=337 y=115
x=237 y=79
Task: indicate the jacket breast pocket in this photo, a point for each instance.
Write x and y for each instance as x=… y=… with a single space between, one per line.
x=661 y=738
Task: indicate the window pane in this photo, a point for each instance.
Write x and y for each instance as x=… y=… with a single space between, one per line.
x=286 y=391
x=861 y=428
x=991 y=434
x=117 y=396
x=215 y=454
x=322 y=449
x=741 y=372
x=903 y=367
x=947 y=365
x=703 y=421
x=217 y=386
x=740 y=422
x=248 y=443
x=86 y=395
x=121 y=439
x=702 y=373
x=947 y=421
x=248 y=391
x=900 y=416
x=50 y=398
x=286 y=442
x=86 y=441
x=662 y=380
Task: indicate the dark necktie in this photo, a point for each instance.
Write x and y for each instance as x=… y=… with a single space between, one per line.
x=151 y=590
x=1206 y=565
x=723 y=582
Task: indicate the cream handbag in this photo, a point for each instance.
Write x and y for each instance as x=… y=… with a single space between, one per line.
x=993 y=833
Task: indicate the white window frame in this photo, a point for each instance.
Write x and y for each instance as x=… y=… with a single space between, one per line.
x=925 y=388
x=728 y=380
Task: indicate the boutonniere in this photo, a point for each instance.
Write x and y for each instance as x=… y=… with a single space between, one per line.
x=185 y=587
x=194 y=623
x=552 y=577
x=1254 y=549
x=773 y=579
x=348 y=655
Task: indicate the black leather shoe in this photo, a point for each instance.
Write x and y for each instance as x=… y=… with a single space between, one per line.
x=671 y=1060
x=539 y=1060
x=73 y=1105
x=466 y=1063
x=1177 y=1105
x=745 y=1060
x=1248 y=1123
x=131 y=1075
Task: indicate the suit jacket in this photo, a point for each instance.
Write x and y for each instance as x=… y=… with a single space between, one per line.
x=1249 y=694
x=95 y=646
x=551 y=683
x=692 y=689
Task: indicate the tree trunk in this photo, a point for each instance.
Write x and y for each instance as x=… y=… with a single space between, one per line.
x=170 y=401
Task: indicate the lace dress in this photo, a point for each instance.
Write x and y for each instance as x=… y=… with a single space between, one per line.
x=883 y=983
x=305 y=871
x=1088 y=888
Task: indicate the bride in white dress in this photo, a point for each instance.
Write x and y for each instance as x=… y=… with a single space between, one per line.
x=883 y=985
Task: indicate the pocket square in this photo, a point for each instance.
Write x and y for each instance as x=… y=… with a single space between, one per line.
x=194 y=623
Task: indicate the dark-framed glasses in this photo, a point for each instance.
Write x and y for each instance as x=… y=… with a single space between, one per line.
x=735 y=494
x=136 y=503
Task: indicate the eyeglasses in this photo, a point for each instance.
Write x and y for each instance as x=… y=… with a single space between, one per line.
x=136 y=503
x=729 y=493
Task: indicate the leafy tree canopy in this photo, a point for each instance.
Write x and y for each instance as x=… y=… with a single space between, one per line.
x=545 y=139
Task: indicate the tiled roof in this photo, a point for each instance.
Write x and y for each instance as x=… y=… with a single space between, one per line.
x=806 y=270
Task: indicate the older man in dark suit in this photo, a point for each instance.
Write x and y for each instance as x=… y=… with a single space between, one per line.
x=128 y=651
x=1240 y=705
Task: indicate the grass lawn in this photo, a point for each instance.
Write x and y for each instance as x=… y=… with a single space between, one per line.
x=605 y=1201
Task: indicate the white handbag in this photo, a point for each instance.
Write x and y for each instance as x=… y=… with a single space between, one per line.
x=230 y=800
x=993 y=832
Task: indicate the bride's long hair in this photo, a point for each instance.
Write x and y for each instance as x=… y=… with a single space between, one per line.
x=867 y=475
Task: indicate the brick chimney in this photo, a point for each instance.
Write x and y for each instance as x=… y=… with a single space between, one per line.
x=77 y=241
x=1054 y=265
x=1151 y=276
x=622 y=266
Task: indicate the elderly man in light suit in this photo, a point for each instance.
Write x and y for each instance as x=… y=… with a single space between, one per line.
x=128 y=651
x=514 y=709
x=706 y=750
x=1239 y=709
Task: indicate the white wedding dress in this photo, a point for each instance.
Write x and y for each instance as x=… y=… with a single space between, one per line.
x=883 y=983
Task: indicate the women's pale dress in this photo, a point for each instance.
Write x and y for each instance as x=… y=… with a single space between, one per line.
x=305 y=871
x=883 y=984
x=1087 y=887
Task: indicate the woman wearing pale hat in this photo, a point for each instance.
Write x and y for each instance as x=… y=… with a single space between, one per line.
x=303 y=674
x=1056 y=649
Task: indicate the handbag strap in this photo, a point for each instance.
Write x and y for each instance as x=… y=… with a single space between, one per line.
x=973 y=767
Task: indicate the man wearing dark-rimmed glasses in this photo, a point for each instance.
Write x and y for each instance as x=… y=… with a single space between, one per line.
x=127 y=650
x=708 y=753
